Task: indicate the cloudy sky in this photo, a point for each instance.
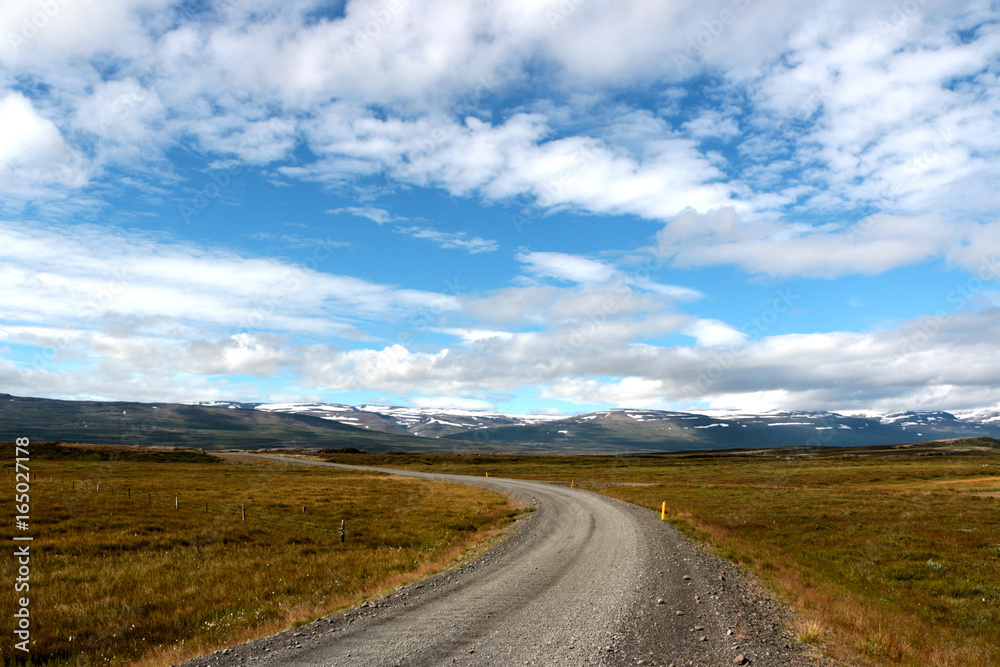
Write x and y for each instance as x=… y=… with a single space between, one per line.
x=525 y=205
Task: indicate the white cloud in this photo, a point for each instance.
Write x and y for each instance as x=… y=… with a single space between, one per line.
x=58 y=32
x=859 y=138
x=634 y=392
x=712 y=124
x=239 y=354
x=601 y=281
x=451 y=402
x=25 y=136
x=515 y=157
x=253 y=84
x=376 y=215
x=561 y=266
x=456 y=240
x=84 y=274
x=473 y=335
x=714 y=333
x=874 y=245
x=128 y=120
x=980 y=251
x=34 y=157
x=573 y=353
x=885 y=123
x=553 y=306
x=918 y=362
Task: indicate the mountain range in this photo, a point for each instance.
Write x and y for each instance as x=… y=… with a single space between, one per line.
x=378 y=428
x=650 y=430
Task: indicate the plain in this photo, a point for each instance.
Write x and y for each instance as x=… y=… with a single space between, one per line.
x=153 y=555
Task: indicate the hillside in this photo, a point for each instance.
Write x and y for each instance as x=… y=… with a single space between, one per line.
x=377 y=428
x=653 y=430
x=204 y=427
x=625 y=430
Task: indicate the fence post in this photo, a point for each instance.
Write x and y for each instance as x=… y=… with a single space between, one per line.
x=243 y=509
x=343 y=529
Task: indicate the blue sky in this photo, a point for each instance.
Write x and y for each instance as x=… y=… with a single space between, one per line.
x=522 y=206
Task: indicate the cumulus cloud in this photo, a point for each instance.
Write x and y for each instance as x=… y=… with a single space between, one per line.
x=715 y=333
x=562 y=266
x=572 y=353
x=911 y=365
x=239 y=354
x=815 y=144
x=850 y=110
x=34 y=157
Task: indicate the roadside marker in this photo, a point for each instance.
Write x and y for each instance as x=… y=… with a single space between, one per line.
x=663 y=512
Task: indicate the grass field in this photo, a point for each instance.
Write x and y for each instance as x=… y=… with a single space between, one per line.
x=889 y=558
x=144 y=556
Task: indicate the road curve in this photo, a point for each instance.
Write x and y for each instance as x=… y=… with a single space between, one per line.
x=586 y=580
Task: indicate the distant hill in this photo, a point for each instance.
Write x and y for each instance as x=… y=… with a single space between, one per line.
x=204 y=427
x=653 y=430
x=423 y=422
x=376 y=428
x=628 y=430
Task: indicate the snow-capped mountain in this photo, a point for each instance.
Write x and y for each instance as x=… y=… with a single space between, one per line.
x=637 y=429
x=423 y=422
x=380 y=428
x=981 y=416
x=664 y=430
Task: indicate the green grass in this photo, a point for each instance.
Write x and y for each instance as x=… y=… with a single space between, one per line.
x=889 y=560
x=118 y=575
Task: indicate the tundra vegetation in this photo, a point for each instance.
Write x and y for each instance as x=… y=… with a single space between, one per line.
x=142 y=555
x=889 y=555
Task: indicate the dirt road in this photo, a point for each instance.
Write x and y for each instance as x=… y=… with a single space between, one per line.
x=586 y=580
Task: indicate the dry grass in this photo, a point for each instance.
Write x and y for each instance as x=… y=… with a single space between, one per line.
x=888 y=561
x=117 y=579
x=810 y=631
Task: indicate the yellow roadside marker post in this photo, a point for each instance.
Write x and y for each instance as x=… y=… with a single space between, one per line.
x=663 y=512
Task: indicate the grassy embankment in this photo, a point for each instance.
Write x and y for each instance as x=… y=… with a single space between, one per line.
x=889 y=559
x=118 y=575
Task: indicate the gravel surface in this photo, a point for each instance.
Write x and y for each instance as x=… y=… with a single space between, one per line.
x=585 y=580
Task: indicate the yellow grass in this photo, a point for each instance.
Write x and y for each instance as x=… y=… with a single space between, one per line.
x=118 y=579
x=887 y=561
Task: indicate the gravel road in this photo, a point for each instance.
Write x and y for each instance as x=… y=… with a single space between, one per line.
x=585 y=580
